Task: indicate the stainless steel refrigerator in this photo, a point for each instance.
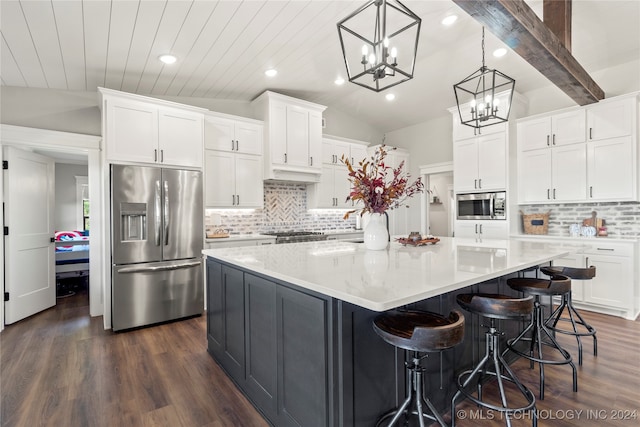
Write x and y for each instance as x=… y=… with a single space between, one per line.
x=156 y=245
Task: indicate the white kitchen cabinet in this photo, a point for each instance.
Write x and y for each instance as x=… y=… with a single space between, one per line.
x=611 y=119
x=480 y=163
x=333 y=150
x=490 y=229
x=333 y=188
x=611 y=169
x=554 y=130
x=602 y=169
x=233 y=134
x=233 y=180
x=611 y=291
x=555 y=174
x=145 y=130
x=292 y=136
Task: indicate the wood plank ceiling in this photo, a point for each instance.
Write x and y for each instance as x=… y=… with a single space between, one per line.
x=223 y=48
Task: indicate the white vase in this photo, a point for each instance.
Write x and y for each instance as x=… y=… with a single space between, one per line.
x=376 y=235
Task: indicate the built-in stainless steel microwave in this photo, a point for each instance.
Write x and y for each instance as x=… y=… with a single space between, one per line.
x=479 y=206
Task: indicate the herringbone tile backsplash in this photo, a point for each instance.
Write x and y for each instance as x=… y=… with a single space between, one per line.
x=285 y=209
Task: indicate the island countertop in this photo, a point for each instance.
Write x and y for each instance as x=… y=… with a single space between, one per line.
x=399 y=275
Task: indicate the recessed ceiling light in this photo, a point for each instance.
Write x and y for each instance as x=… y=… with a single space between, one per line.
x=271 y=72
x=449 y=20
x=168 y=58
x=499 y=52
x=339 y=81
x=390 y=96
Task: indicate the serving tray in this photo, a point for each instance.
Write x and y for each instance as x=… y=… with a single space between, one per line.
x=406 y=241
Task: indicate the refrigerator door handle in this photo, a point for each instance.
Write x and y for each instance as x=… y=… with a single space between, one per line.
x=158 y=221
x=160 y=268
x=166 y=212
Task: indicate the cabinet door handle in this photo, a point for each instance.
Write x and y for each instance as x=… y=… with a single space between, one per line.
x=155 y=155
x=311 y=160
x=480 y=183
x=591 y=191
x=475 y=183
x=548 y=141
x=233 y=145
x=161 y=156
x=237 y=145
x=590 y=133
x=237 y=199
x=554 y=194
x=586 y=262
x=553 y=139
x=480 y=228
x=476 y=228
x=285 y=157
x=548 y=194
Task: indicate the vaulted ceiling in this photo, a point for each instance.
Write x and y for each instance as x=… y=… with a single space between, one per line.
x=224 y=47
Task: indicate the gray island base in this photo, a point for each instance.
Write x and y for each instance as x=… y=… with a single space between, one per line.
x=292 y=324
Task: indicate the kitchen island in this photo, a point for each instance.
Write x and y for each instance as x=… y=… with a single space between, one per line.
x=291 y=324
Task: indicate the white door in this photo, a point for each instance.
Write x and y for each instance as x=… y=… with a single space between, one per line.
x=29 y=184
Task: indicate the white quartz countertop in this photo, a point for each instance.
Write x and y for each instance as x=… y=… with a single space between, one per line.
x=240 y=237
x=399 y=275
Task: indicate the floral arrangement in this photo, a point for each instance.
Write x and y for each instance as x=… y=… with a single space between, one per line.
x=379 y=187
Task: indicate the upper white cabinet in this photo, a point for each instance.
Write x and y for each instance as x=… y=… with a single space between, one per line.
x=233 y=162
x=146 y=130
x=292 y=135
x=233 y=134
x=587 y=154
x=480 y=163
x=334 y=185
x=611 y=119
x=233 y=180
x=549 y=131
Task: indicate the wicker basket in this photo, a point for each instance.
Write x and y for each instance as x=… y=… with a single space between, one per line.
x=537 y=223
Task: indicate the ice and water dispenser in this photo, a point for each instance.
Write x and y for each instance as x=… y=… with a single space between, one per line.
x=133 y=221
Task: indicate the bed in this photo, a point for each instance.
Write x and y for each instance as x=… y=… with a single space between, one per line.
x=72 y=254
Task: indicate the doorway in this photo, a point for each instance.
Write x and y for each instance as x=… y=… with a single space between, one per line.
x=68 y=144
x=437 y=208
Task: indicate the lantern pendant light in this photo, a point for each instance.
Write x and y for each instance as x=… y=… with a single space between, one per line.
x=484 y=98
x=379 y=44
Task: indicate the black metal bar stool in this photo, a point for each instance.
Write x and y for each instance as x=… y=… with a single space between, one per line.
x=419 y=332
x=536 y=334
x=494 y=306
x=579 y=327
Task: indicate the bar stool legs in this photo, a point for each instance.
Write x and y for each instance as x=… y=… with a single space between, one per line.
x=414 y=395
x=502 y=372
x=576 y=321
x=536 y=341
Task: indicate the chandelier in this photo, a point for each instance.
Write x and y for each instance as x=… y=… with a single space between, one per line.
x=484 y=98
x=379 y=44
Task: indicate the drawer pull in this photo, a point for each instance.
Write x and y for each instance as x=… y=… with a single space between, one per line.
x=605 y=249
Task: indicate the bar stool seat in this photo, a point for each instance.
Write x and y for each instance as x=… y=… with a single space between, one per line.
x=471 y=382
x=536 y=334
x=418 y=332
x=579 y=326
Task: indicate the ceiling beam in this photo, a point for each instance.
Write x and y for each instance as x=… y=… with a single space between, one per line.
x=556 y=15
x=517 y=25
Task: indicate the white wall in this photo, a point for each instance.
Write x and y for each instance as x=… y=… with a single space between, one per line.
x=428 y=142
x=66 y=203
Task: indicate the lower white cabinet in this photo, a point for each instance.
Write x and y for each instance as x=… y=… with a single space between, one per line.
x=490 y=229
x=233 y=180
x=613 y=290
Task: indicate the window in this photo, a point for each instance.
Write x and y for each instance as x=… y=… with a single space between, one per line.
x=82 y=202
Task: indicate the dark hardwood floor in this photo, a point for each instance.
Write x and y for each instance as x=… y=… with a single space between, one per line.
x=61 y=368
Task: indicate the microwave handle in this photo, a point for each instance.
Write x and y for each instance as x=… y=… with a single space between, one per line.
x=492 y=201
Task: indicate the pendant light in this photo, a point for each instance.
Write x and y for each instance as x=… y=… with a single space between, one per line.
x=379 y=43
x=484 y=98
